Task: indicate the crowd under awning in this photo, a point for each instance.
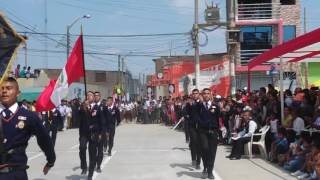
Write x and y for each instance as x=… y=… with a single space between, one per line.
x=305 y=48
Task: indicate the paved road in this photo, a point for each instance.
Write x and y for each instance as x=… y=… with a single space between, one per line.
x=146 y=152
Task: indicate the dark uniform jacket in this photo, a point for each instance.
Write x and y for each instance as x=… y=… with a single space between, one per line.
x=17 y=130
x=97 y=120
x=194 y=113
x=84 y=114
x=112 y=116
x=209 y=116
x=54 y=119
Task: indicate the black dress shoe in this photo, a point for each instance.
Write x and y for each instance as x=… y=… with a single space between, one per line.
x=229 y=156
x=210 y=176
x=109 y=153
x=198 y=166
x=89 y=178
x=204 y=174
x=98 y=170
x=235 y=158
x=84 y=172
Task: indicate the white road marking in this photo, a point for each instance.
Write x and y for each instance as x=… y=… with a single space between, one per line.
x=75 y=146
x=104 y=163
x=35 y=156
x=216 y=176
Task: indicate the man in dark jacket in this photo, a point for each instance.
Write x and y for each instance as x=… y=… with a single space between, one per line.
x=112 y=116
x=84 y=130
x=209 y=132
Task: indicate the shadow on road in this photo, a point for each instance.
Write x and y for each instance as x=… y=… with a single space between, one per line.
x=76 y=177
x=180 y=148
x=184 y=166
x=188 y=173
x=75 y=168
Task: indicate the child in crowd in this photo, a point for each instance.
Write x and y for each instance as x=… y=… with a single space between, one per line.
x=280 y=146
x=309 y=169
x=298 y=153
x=274 y=125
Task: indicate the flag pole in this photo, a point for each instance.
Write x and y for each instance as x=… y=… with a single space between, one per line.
x=84 y=65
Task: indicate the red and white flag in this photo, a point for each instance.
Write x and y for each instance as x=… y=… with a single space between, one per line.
x=57 y=90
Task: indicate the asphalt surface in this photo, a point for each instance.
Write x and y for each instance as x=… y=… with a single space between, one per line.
x=146 y=152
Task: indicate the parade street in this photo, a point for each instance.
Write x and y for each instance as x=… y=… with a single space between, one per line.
x=146 y=152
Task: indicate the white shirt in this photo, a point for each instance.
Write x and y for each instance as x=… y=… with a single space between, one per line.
x=252 y=128
x=274 y=125
x=209 y=104
x=62 y=110
x=298 y=125
x=317 y=121
x=12 y=108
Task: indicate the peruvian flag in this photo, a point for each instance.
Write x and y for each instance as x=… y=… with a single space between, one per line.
x=58 y=89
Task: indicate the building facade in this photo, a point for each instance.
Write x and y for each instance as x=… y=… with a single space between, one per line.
x=102 y=81
x=264 y=24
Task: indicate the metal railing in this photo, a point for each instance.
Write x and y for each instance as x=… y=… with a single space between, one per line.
x=247 y=55
x=261 y=11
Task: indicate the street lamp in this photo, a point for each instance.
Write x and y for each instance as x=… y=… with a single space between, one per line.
x=86 y=16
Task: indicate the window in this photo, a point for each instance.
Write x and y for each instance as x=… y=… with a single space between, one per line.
x=289 y=32
x=101 y=77
x=288 y=2
x=256 y=37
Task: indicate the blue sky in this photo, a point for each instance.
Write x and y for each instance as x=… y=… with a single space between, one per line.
x=118 y=17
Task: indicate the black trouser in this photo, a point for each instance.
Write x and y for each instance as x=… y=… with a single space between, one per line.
x=209 y=143
x=95 y=153
x=53 y=135
x=14 y=175
x=111 y=139
x=238 y=146
x=195 y=144
x=186 y=130
x=83 y=140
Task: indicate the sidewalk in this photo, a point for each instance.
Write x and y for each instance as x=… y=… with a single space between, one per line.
x=247 y=169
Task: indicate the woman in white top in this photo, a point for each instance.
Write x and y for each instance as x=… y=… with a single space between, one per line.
x=298 y=123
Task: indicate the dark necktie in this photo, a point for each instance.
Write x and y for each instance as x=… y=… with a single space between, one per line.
x=207 y=106
x=7 y=113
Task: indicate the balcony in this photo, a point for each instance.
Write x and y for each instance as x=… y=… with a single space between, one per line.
x=247 y=55
x=258 y=11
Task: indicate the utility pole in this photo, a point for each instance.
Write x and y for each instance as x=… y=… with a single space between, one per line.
x=306 y=64
x=122 y=74
x=68 y=41
x=232 y=47
x=196 y=47
x=25 y=53
x=119 y=75
x=46 y=31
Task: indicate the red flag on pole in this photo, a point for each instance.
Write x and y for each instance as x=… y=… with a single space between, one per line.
x=57 y=90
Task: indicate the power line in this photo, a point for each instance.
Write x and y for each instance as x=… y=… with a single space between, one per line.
x=99 y=53
x=108 y=13
x=111 y=36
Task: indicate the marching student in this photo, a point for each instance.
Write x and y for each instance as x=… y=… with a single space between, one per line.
x=17 y=125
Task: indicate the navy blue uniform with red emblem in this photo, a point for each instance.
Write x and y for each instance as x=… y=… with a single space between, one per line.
x=19 y=125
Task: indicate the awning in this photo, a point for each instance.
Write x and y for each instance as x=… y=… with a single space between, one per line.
x=305 y=48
